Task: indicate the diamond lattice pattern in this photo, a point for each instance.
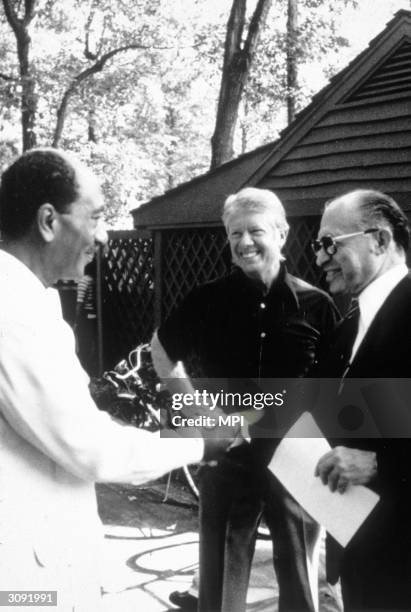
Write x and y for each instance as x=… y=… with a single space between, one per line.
x=128 y=294
x=192 y=257
x=189 y=258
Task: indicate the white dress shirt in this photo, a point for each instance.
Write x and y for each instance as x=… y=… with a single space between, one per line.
x=373 y=297
x=54 y=445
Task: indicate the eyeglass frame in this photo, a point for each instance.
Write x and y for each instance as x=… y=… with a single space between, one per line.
x=331 y=250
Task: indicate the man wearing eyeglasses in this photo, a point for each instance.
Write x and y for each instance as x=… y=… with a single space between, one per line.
x=361 y=247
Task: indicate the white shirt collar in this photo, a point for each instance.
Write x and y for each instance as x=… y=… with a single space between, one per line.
x=374 y=295
x=16 y=269
x=372 y=298
x=26 y=283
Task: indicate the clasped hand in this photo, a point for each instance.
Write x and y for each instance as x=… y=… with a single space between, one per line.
x=218 y=440
x=342 y=467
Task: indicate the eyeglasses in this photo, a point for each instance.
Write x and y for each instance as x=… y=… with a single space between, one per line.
x=330 y=243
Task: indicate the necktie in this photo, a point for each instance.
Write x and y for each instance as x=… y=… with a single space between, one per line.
x=348 y=334
x=351 y=323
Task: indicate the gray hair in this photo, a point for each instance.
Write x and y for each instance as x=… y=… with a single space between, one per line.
x=253 y=200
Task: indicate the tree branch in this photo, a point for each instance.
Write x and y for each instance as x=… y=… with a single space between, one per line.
x=87 y=52
x=11 y=17
x=82 y=76
x=100 y=47
x=7 y=77
x=100 y=63
x=256 y=24
x=235 y=28
x=30 y=7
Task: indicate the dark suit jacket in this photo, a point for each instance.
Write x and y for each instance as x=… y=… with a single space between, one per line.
x=383 y=543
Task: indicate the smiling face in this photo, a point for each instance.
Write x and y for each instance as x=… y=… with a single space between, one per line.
x=256 y=243
x=356 y=262
x=80 y=229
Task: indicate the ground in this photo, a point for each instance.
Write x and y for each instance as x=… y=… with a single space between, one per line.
x=151 y=549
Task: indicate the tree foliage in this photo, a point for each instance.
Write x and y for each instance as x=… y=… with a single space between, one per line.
x=138 y=88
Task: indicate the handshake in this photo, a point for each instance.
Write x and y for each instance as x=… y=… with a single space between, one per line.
x=219 y=439
x=202 y=418
x=220 y=431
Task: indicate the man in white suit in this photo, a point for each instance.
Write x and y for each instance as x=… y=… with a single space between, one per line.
x=54 y=442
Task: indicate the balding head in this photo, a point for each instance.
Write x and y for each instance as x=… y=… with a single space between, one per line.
x=363 y=234
x=369 y=207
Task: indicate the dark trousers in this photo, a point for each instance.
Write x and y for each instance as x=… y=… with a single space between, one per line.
x=375 y=567
x=232 y=499
x=366 y=591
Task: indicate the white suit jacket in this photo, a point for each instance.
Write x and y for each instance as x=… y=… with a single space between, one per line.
x=54 y=444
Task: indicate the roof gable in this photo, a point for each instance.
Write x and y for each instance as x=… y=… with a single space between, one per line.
x=391 y=77
x=355 y=132
x=345 y=83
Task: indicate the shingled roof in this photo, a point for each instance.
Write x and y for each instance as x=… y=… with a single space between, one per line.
x=355 y=132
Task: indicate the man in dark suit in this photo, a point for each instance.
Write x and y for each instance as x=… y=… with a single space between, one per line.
x=361 y=247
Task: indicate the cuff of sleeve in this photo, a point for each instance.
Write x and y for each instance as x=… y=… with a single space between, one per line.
x=193 y=449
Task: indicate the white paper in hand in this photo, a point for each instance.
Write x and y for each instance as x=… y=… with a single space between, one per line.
x=294 y=464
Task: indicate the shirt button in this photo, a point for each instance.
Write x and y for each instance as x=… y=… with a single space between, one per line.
x=263 y=335
x=262 y=305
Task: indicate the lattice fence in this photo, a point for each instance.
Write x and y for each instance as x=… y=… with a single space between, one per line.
x=300 y=258
x=192 y=257
x=188 y=258
x=127 y=294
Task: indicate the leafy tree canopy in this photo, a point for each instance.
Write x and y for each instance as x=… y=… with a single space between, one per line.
x=132 y=86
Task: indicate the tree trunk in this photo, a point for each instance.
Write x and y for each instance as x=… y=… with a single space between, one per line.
x=170 y=149
x=227 y=113
x=292 y=24
x=244 y=128
x=28 y=94
x=238 y=57
x=92 y=126
x=28 y=101
x=61 y=115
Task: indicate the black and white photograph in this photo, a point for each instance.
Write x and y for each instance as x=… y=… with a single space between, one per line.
x=205 y=311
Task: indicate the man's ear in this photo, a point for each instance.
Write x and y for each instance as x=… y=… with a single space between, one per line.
x=283 y=234
x=47 y=220
x=383 y=238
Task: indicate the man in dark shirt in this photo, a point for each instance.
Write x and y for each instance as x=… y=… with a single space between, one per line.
x=258 y=322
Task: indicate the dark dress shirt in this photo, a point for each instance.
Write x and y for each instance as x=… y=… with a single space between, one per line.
x=231 y=328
